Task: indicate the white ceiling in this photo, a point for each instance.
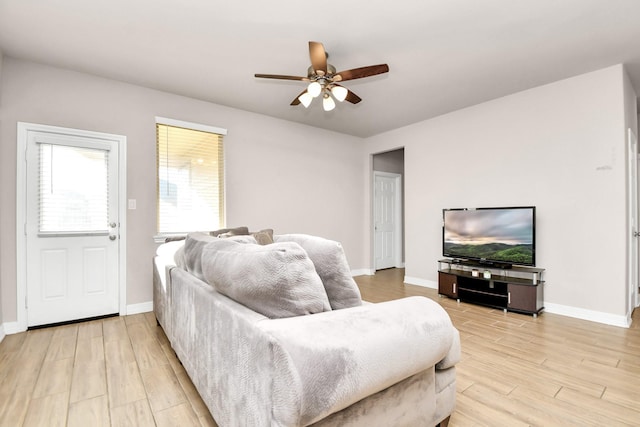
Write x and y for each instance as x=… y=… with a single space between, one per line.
x=443 y=55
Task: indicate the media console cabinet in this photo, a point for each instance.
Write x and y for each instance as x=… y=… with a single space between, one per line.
x=518 y=289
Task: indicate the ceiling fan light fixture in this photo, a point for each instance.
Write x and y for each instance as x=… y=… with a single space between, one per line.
x=322 y=79
x=314 y=89
x=305 y=99
x=327 y=103
x=339 y=92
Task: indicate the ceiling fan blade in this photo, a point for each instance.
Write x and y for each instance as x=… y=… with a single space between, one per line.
x=352 y=98
x=280 y=77
x=318 y=57
x=296 y=101
x=358 y=73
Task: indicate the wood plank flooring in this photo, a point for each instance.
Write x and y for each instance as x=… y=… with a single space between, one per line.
x=521 y=371
x=515 y=370
x=119 y=371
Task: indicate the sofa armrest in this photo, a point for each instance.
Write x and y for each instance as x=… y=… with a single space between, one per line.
x=453 y=356
x=343 y=356
x=162 y=294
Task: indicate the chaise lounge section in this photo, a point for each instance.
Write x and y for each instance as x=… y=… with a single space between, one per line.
x=390 y=363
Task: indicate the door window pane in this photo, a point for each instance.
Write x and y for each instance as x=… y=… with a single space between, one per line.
x=74 y=189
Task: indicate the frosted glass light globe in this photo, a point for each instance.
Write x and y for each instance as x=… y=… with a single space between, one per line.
x=327 y=103
x=305 y=99
x=314 y=89
x=339 y=92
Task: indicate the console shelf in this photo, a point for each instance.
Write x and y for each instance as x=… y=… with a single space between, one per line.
x=518 y=289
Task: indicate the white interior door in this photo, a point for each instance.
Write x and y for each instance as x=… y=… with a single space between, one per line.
x=632 y=233
x=387 y=220
x=72 y=226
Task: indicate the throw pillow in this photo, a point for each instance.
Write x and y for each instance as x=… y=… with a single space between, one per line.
x=241 y=239
x=263 y=237
x=193 y=246
x=276 y=280
x=331 y=264
x=237 y=231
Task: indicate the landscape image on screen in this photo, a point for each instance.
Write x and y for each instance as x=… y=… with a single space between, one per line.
x=503 y=235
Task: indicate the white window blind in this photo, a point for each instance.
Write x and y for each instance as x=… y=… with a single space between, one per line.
x=73 y=189
x=190 y=184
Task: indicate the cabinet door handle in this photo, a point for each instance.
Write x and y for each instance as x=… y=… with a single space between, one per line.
x=508 y=297
x=454 y=287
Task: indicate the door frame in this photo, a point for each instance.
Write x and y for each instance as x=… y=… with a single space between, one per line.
x=397 y=244
x=21 y=212
x=632 y=221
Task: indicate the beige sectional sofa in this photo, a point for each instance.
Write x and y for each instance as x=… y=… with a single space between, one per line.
x=318 y=355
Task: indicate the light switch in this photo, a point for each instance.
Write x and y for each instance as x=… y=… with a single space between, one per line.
x=132 y=204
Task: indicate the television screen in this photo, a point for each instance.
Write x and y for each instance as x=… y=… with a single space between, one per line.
x=499 y=235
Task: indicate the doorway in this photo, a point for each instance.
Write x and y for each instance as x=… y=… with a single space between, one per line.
x=388 y=209
x=71 y=224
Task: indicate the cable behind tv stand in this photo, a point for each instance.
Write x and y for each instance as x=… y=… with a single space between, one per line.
x=518 y=289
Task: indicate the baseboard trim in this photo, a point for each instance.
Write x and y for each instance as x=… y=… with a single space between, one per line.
x=363 y=272
x=2 y=334
x=584 y=314
x=143 y=307
x=420 y=282
x=11 y=328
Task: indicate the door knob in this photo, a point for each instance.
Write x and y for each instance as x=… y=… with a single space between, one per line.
x=113 y=225
x=112 y=237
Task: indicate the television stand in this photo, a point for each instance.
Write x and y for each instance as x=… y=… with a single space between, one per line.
x=517 y=289
x=484 y=264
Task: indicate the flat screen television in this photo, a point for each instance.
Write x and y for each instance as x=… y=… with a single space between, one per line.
x=494 y=236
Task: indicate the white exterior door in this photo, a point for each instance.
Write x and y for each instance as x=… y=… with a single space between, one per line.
x=72 y=225
x=386 y=217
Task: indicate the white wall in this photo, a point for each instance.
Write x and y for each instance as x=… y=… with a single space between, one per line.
x=280 y=175
x=560 y=147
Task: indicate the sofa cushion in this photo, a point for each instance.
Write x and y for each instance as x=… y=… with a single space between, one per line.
x=179 y=258
x=277 y=280
x=331 y=264
x=166 y=251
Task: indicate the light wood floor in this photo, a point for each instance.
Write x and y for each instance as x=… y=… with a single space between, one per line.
x=521 y=371
x=515 y=370
x=119 y=371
